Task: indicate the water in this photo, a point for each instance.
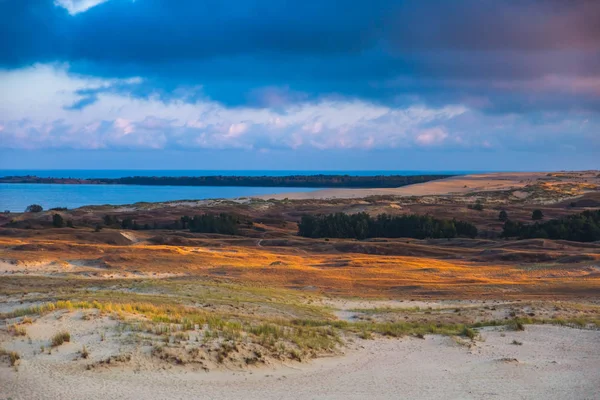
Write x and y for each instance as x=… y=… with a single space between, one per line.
x=16 y=197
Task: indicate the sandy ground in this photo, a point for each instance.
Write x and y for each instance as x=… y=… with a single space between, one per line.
x=455 y=185
x=552 y=363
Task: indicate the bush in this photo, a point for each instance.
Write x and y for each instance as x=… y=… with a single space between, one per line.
x=503 y=216
x=60 y=338
x=470 y=333
x=34 y=208
x=13 y=356
x=58 y=221
x=537 y=215
x=477 y=206
x=516 y=325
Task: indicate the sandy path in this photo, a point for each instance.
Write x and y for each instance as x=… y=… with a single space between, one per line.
x=553 y=363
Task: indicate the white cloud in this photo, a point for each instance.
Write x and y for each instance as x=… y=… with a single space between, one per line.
x=432 y=136
x=236 y=130
x=78 y=6
x=35 y=113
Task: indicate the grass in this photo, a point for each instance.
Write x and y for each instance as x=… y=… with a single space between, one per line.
x=18 y=330
x=60 y=338
x=84 y=352
x=13 y=356
x=469 y=332
x=173 y=312
x=516 y=325
x=247 y=263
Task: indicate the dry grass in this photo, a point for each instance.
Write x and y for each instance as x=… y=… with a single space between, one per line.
x=13 y=356
x=60 y=338
x=84 y=352
x=17 y=330
x=350 y=274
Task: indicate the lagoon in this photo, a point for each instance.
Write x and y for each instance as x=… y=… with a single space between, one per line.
x=15 y=197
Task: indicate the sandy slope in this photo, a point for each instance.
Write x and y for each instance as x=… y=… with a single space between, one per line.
x=552 y=363
x=454 y=185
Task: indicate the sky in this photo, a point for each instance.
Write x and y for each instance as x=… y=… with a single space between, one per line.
x=300 y=85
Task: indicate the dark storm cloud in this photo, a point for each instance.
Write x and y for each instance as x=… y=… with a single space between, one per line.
x=498 y=56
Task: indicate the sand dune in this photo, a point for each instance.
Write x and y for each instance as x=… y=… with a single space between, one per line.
x=552 y=363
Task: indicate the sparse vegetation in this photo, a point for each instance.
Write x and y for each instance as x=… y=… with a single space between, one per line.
x=60 y=338
x=18 y=330
x=84 y=352
x=516 y=325
x=13 y=356
x=470 y=333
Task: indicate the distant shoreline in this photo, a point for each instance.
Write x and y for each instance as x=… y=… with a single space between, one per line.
x=292 y=181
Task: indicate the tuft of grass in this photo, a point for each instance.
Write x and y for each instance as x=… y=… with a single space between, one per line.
x=60 y=338
x=517 y=343
x=365 y=335
x=13 y=356
x=516 y=325
x=470 y=333
x=18 y=330
x=84 y=352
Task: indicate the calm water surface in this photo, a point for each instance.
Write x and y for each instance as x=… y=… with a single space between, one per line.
x=16 y=197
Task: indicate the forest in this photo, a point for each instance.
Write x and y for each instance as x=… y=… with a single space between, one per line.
x=363 y=226
x=583 y=227
x=311 y=181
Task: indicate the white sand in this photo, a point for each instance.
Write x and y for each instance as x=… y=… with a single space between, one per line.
x=552 y=363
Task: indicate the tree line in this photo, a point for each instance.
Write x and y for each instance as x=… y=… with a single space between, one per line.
x=223 y=223
x=363 y=226
x=583 y=227
x=316 y=181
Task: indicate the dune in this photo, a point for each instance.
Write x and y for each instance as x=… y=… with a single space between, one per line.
x=550 y=363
